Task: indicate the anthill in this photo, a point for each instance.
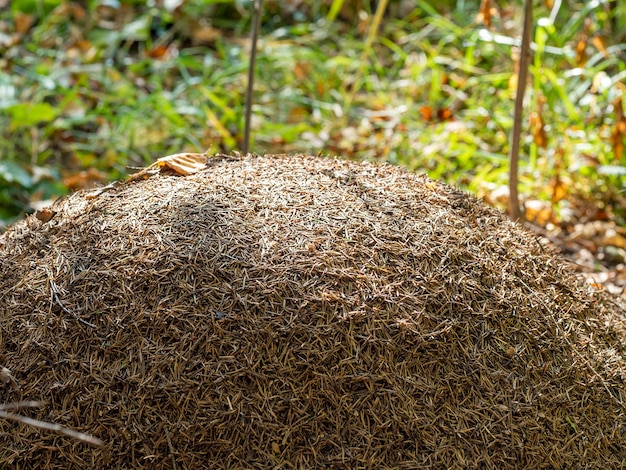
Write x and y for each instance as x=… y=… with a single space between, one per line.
x=299 y=312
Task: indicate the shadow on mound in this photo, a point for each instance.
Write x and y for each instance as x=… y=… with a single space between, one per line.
x=297 y=312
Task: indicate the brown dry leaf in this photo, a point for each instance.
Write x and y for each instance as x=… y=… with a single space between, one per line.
x=601 y=233
x=619 y=108
x=559 y=184
x=581 y=54
x=439 y=115
x=612 y=238
x=617 y=140
x=301 y=70
x=485 y=13
x=45 y=214
x=159 y=52
x=321 y=88
x=183 y=163
x=84 y=45
x=79 y=12
x=537 y=125
x=558 y=189
x=297 y=114
x=426 y=112
x=278 y=140
x=444 y=114
x=539 y=212
x=202 y=33
x=537 y=128
x=71 y=10
x=7 y=378
x=23 y=22
x=600 y=43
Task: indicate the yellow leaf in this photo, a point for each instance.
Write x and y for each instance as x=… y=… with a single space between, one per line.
x=514 y=76
x=539 y=212
x=581 y=52
x=537 y=125
x=183 y=163
x=537 y=128
x=559 y=189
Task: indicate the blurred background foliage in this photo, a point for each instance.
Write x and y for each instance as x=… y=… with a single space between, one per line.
x=88 y=89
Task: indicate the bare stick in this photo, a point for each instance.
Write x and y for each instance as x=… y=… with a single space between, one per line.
x=255 y=34
x=94 y=441
x=522 y=75
x=21 y=404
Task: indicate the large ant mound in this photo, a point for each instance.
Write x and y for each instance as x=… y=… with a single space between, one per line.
x=298 y=312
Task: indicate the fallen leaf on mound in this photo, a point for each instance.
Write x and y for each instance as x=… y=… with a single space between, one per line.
x=7 y=378
x=45 y=214
x=183 y=163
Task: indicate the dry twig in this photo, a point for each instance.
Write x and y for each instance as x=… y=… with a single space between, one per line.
x=86 y=438
x=256 y=23
x=522 y=76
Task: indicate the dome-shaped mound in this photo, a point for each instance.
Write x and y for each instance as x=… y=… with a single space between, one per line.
x=298 y=312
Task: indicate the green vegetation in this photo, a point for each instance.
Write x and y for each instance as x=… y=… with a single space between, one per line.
x=86 y=91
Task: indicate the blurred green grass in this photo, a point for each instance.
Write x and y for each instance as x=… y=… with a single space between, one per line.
x=100 y=87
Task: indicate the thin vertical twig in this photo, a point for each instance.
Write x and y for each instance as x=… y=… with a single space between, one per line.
x=371 y=36
x=256 y=23
x=522 y=75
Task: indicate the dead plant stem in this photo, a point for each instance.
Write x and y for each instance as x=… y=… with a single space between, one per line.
x=522 y=75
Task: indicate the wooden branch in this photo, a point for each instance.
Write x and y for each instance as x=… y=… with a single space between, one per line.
x=94 y=441
x=256 y=23
x=522 y=76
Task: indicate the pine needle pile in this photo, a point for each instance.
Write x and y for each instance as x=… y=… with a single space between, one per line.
x=300 y=312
